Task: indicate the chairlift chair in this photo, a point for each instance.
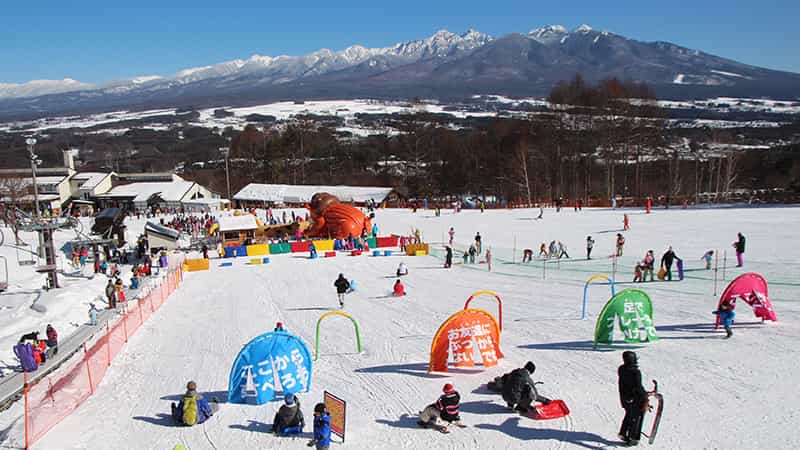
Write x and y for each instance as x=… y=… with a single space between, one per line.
x=4 y=280
x=26 y=250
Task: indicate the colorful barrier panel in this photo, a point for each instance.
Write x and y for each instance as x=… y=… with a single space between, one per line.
x=300 y=246
x=226 y=264
x=330 y=254
x=412 y=249
x=265 y=260
x=255 y=261
x=355 y=253
x=230 y=252
x=420 y=253
x=276 y=249
x=387 y=241
x=387 y=253
x=324 y=245
x=194 y=265
x=257 y=250
x=376 y=253
x=52 y=398
x=372 y=242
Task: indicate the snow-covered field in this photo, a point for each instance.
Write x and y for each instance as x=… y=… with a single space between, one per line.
x=736 y=393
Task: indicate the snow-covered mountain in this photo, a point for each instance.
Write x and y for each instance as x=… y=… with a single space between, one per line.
x=443 y=65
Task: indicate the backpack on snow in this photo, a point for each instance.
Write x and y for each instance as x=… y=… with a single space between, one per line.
x=190 y=412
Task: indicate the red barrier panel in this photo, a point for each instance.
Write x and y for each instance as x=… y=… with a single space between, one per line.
x=301 y=246
x=387 y=241
x=54 y=397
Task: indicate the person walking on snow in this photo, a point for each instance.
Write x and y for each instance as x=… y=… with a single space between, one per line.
x=626 y=225
x=543 y=250
x=562 y=250
x=707 y=258
x=92 y=315
x=448 y=259
x=620 y=243
x=322 y=428
x=478 y=242
x=452 y=233
x=445 y=408
x=726 y=315
x=342 y=285
x=739 y=246
x=472 y=252
x=632 y=397
x=589 y=247
x=666 y=262
x=111 y=294
x=648 y=264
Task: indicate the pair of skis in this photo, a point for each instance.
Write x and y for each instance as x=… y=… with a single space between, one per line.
x=651 y=436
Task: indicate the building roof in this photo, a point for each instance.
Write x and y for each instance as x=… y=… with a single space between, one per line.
x=286 y=193
x=141 y=192
x=90 y=180
x=237 y=223
x=206 y=201
x=154 y=228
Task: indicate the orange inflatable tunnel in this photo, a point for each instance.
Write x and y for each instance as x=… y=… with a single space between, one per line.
x=334 y=219
x=460 y=335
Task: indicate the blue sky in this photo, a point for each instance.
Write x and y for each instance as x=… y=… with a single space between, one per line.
x=93 y=40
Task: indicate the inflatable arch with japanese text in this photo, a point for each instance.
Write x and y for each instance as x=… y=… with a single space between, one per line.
x=633 y=309
x=751 y=287
x=273 y=361
x=460 y=335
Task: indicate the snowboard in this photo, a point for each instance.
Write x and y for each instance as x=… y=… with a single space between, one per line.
x=654 y=394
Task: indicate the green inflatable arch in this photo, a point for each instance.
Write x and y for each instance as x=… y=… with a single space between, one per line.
x=634 y=309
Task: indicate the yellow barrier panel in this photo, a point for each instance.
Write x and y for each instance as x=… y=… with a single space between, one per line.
x=324 y=246
x=420 y=253
x=412 y=249
x=255 y=261
x=193 y=265
x=257 y=250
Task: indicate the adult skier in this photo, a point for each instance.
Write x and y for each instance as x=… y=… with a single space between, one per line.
x=632 y=397
x=342 y=285
x=519 y=390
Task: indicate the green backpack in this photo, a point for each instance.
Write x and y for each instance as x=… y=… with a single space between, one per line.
x=190 y=410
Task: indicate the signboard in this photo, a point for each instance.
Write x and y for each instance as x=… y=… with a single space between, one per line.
x=337 y=408
x=634 y=311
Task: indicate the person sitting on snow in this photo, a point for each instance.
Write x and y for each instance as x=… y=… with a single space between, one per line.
x=289 y=418
x=445 y=408
x=398 y=290
x=519 y=390
x=193 y=409
x=402 y=269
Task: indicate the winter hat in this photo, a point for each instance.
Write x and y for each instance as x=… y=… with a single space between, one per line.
x=530 y=367
x=448 y=388
x=279 y=325
x=289 y=399
x=629 y=358
x=319 y=408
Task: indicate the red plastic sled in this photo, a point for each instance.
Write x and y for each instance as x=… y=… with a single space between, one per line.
x=556 y=409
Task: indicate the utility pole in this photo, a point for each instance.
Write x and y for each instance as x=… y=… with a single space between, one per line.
x=31 y=142
x=226 y=152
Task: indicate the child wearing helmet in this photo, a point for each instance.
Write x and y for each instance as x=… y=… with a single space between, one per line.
x=445 y=408
x=289 y=418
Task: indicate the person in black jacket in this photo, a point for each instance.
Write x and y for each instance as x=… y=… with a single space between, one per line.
x=342 y=285
x=445 y=408
x=519 y=390
x=448 y=259
x=632 y=397
x=666 y=262
x=739 y=247
x=288 y=415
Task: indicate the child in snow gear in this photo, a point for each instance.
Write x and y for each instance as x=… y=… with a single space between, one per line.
x=289 y=418
x=193 y=409
x=398 y=290
x=111 y=294
x=519 y=390
x=445 y=408
x=342 y=285
x=647 y=265
x=465 y=257
x=472 y=252
x=279 y=327
x=726 y=315
x=620 y=243
x=52 y=338
x=707 y=258
x=637 y=273
x=322 y=428
x=478 y=242
x=448 y=259
x=589 y=247
x=626 y=225
x=632 y=397
x=402 y=269
x=543 y=250
x=562 y=250
x=553 y=250
x=739 y=246
x=92 y=315
x=452 y=233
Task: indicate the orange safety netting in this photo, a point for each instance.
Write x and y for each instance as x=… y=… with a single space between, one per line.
x=54 y=397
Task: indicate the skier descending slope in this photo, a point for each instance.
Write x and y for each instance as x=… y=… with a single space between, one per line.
x=633 y=398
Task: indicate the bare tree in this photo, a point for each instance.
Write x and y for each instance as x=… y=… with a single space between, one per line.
x=732 y=160
x=11 y=192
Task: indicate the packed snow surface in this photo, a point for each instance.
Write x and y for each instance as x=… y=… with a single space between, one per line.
x=736 y=393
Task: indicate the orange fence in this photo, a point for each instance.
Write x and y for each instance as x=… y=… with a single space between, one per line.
x=52 y=398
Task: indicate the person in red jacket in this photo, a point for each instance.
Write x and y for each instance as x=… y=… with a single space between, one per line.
x=445 y=408
x=399 y=290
